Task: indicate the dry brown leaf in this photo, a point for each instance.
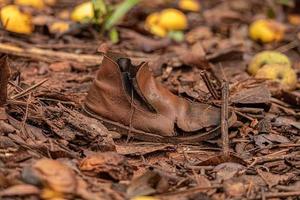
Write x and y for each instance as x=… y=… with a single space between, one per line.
x=108 y=165
x=256 y=95
x=264 y=140
x=272 y=179
x=20 y=190
x=53 y=175
x=235 y=187
x=227 y=170
x=149 y=183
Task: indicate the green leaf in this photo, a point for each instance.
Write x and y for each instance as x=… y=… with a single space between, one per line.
x=119 y=13
x=177 y=36
x=100 y=10
x=271 y=13
x=289 y=3
x=114 y=35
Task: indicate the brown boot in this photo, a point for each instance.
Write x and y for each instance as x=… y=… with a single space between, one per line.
x=129 y=99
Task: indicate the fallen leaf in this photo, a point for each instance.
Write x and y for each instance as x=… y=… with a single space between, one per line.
x=235 y=187
x=148 y=183
x=202 y=181
x=107 y=165
x=252 y=96
x=194 y=56
x=285 y=121
x=264 y=140
x=227 y=170
x=272 y=179
x=20 y=190
x=55 y=177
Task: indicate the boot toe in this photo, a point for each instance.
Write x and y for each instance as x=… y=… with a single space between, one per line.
x=199 y=116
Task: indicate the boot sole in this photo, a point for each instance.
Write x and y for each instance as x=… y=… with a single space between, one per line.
x=151 y=137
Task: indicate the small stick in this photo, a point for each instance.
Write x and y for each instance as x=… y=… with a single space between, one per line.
x=264 y=159
x=224 y=118
x=4 y=77
x=269 y=195
x=209 y=85
x=24 y=92
x=189 y=191
x=49 y=55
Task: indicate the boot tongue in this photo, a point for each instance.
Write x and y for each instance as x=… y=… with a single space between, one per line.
x=129 y=71
x=127 y=67
x=124 y=64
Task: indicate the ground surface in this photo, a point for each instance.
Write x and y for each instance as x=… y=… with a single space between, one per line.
x=44 y=117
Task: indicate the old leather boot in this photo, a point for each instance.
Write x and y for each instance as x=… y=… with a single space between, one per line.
x=129 y=99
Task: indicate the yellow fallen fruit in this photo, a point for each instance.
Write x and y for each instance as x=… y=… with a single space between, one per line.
x=158 y=31
x=14 y=20
x=285 y=75
x=49 y=194
x=172 y=19
x=160 y=24
x=189 y=5
x=39 y=4
x=267 y=57
x=266 y=30
x=144 y=198
x=152 y=20
x=83 y=12
x=59 y=27
x=151 y=24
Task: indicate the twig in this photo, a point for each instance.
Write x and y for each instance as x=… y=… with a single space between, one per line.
x=264 y=159
x=49 y=55
x=286 y=47
x=244 y=115
x=250 y=166
x=209 y=85
x=53 y=56
x=24 y=92
x=4 y=76
x=269 y=195
x=224 y=118
x=190 y=191
x=263 y=194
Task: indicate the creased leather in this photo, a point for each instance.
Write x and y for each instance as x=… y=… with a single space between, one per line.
x=189 y=116
x=109 y=99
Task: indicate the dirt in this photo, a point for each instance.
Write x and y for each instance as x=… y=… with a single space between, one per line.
x=49 y=149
